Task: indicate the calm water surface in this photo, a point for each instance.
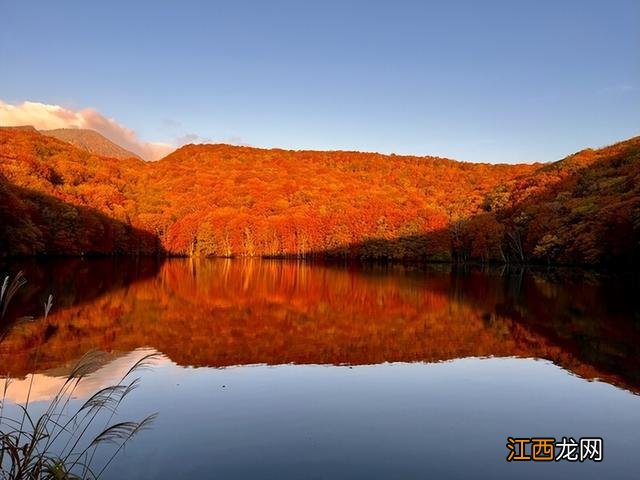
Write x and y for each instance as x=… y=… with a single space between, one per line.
x=274 y=369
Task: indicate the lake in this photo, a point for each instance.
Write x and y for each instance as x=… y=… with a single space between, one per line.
x=290 y=370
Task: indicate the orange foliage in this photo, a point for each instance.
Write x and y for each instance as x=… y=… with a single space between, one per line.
x=220 y=200
x=227 y=312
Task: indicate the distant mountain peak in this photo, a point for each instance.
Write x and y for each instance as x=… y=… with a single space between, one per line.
x=24 y=128
x=90 y=141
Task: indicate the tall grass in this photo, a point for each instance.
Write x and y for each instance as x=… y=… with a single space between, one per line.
x=59 y=443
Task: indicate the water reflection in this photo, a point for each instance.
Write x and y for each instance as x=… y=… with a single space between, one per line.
x=364 y=372
x=231 y=312
x=45 y=385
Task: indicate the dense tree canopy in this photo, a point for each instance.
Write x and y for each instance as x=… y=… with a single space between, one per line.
x=239 y=201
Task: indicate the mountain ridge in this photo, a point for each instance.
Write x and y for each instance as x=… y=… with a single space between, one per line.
x=224 y=200
x=91 y=141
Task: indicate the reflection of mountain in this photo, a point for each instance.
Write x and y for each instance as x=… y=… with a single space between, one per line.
x=219 y=313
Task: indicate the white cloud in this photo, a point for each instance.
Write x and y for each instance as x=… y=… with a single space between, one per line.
x=192 y=138
x=46 y=117
x=236 y=140
x=618 y=88
x=188 y=138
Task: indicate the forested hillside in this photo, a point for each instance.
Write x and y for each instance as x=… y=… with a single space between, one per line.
x=583 y=209
x=239 y=201
x=57 y=199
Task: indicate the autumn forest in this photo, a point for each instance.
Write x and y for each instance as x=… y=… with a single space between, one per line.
x=231 y=201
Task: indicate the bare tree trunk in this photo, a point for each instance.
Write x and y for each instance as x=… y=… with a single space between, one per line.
x=516 y=244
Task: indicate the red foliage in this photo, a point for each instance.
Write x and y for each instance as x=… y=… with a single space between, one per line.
x=222 y=200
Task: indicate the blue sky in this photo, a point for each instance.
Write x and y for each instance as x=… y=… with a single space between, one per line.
x=483 y=81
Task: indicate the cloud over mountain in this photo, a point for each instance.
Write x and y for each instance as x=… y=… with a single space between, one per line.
x=46 y=117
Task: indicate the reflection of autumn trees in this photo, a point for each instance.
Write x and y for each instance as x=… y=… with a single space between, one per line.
x=73 y=281
x=220 y=200
x=227 y=312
